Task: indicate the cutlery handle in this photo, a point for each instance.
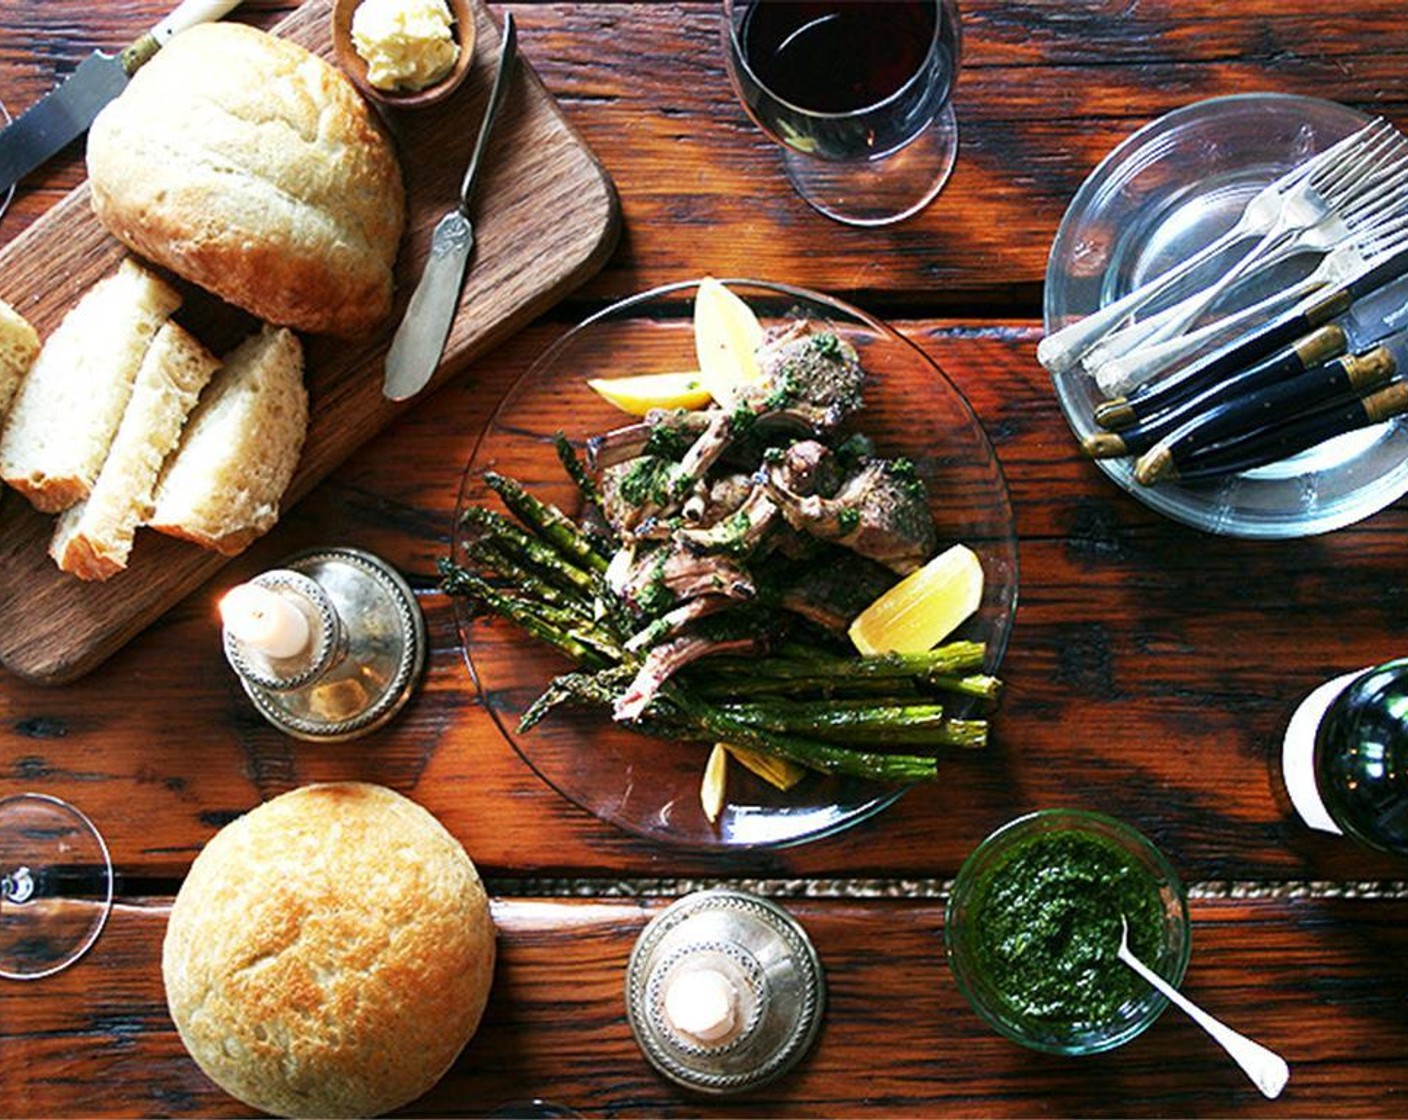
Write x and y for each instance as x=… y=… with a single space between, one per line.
x=187 y=14
x=1266 y=1068
x=508 y=58
x=1150 y=356
x=1259 y=448
x=1060 y=351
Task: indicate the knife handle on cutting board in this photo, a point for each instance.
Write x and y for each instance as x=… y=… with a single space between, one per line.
x=187 y=14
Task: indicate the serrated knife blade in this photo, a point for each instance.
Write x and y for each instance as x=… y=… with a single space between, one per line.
x=68 y=110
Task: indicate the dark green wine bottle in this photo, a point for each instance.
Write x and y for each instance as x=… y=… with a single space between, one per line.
x=1355 y=778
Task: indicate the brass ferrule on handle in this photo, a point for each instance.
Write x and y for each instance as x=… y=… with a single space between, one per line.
x=1387 y=403
x=1329 y=341
x=139 y=53
x=1370 y=369
x=1331 y=307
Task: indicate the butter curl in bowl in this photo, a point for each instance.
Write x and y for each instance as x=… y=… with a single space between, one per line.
x=404 y=53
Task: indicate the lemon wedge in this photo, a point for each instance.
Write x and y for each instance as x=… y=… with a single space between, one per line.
x=639 y=394
x=726 y=338
x=777 y=772
x=924 y=608
x=713 y=787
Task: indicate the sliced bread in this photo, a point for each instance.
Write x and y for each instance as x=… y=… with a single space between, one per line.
x=222 y=486
x=66 y=413
x=19 y=343
x=94 y=538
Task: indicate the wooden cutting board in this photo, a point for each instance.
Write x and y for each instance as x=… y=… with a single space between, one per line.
x=547 y=219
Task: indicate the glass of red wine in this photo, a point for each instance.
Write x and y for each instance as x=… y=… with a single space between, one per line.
x=857 y=92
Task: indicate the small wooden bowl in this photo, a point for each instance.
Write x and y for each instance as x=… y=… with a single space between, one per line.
x=355 y=67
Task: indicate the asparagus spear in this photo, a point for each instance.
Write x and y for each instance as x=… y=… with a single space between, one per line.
x=457 y=581
x=547 y=559
x=547 y=521
x=716 y=724
x=913 y=724
x=946 y=666
x=488 y=554
x=567 y=455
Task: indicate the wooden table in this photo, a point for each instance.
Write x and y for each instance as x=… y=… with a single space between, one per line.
x=1151 y=672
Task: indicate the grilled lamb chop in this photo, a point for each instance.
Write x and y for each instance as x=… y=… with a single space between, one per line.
x=664 y=432
x=831 y=590
x=811 y=380
x=654 y=576
x=880 y=511
x=665 y=660
x=806 y=466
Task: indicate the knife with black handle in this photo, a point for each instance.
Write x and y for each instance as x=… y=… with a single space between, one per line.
x=68 y=110
x=1280 y=332
x=1329 y=342
x=1280 y=441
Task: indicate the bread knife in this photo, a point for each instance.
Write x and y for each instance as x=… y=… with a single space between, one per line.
x=420 y=339
x=67 y=111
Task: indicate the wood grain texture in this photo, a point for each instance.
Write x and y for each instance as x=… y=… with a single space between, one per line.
x=1150 y=674
x=1045 y=91
x=550 y=224
x=1318 y=981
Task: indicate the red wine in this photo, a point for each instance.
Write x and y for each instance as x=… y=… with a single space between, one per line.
x=844 y=80
x=837 y=57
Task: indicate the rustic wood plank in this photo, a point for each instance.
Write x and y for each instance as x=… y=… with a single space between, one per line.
x=1316 y=980
x=1150 y=674
x=1045 y=92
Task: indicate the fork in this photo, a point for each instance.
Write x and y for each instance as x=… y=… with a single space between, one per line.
x=1061 y=350
x=1351 y=204
x=1343 y=264
x=1364 y=219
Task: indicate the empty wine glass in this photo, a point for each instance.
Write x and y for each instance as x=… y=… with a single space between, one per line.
x=56 y=885
x=10 y=192
x=858 y=95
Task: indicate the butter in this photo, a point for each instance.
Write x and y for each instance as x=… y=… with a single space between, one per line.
x=406 y=44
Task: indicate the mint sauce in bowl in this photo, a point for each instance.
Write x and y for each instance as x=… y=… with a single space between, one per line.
x=1033 y=928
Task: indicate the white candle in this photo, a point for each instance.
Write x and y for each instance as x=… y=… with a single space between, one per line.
x=702 y=1003
x=265 y=620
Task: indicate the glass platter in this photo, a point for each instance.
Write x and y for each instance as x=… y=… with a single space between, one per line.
x=1162 y=194
x=649 y=786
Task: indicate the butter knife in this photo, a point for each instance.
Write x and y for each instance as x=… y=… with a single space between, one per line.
x=66 y=111
x=420 y=339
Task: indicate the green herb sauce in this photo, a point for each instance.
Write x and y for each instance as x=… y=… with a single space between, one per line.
x=1047 y=927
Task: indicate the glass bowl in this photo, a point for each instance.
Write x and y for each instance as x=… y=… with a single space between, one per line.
x=650 y=786
x=1037 y=854
x=1162 y=194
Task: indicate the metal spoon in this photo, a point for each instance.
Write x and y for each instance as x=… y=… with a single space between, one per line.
x=420 y=339
x=1267 y=1069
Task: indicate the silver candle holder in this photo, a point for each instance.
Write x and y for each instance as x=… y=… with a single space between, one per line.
x=724 y=992
x=361 y=656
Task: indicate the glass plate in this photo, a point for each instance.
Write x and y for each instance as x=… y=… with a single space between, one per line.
x=1169 y=189
x=649 y=786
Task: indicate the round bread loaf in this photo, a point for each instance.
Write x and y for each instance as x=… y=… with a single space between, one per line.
x=330 y=953
x=249 y=166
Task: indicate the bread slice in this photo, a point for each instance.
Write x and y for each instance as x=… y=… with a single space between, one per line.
x=19 y=343
x=223 y=485
x=68 y=408
x=94 y=538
